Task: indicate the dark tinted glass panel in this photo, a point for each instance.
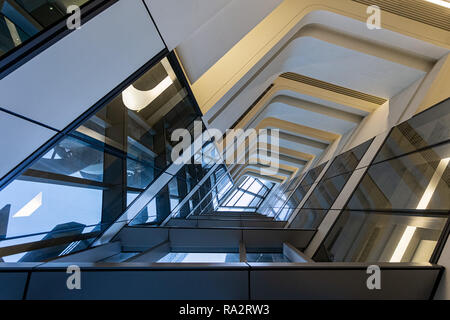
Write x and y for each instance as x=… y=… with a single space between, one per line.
x=297 y=196
x=194 y=257
x=423 y=130
x=308 y=219
x=159 y=208
x=329 y=187
x=304 y=187
x=22 y=19
x=313 y=174
x=266 y=257
x=74 y=183
x=420 y=180
x=46 y=248
x=347 y=161
x=294 y=183
x=140 y=175
x=361 y=236
x=89 y=178
x=326 y=192
x=140 y=121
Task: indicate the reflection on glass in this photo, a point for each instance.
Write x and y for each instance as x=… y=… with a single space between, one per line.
x=426 y=129
x=420 y=180
x=140 y=120
x=179 y=257
x=59 y=204
x=412 y=191
x=159 y=208
x=326 y=192
x=294 y=182
x=267 y=257
x=170 y=200
x=60 y=241
x=211 y=193
x=308 y=219
x=312 y=175
x=335 y=178
x=89 y=178
x=347 y=161
x=360 y=236
x=297 y=196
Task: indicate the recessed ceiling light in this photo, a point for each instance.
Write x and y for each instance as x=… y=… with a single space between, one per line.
x=403 y=244
x=137 y=100
x=443 y=3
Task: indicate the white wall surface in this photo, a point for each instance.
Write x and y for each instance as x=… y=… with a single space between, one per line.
x=178 y=19
x=65 y=80
x=213 y=39
x=19 y=138
x=384 y=118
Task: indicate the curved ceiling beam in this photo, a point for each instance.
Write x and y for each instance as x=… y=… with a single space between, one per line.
x=260 y=168
x=275 y=28
x=317 y=108
x=283 y=84
x=270 y=150
x=283 y=162
x=302 y=140
x=363 y=45
x=287 y=131
x=273 y=123
x=256 y=174
x=324 y=94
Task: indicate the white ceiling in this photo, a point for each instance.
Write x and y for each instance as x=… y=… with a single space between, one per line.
x=202 y=31
x=335 y=49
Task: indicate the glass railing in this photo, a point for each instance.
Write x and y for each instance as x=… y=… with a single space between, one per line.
x=21 y=20
x=87 y=179
x=299 y=193
x=400 y=209
x=330 y=186
x=198 y=187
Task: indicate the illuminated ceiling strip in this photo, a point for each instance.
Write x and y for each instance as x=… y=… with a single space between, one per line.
x=403 y=244
x=429 y=191
x=440 y=3
x=30 y=207
x=423 y=204
x=137 y=100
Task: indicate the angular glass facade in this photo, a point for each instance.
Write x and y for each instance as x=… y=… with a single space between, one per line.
x=300 y=192
x=329 y=187
x=88 y=179
x=400 y=208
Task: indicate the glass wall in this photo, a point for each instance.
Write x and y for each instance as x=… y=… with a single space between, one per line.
x=400 y=208
x=88 y=179
x=300 y=192
x=173 y=198
x=20 y=20
x=329 y=188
